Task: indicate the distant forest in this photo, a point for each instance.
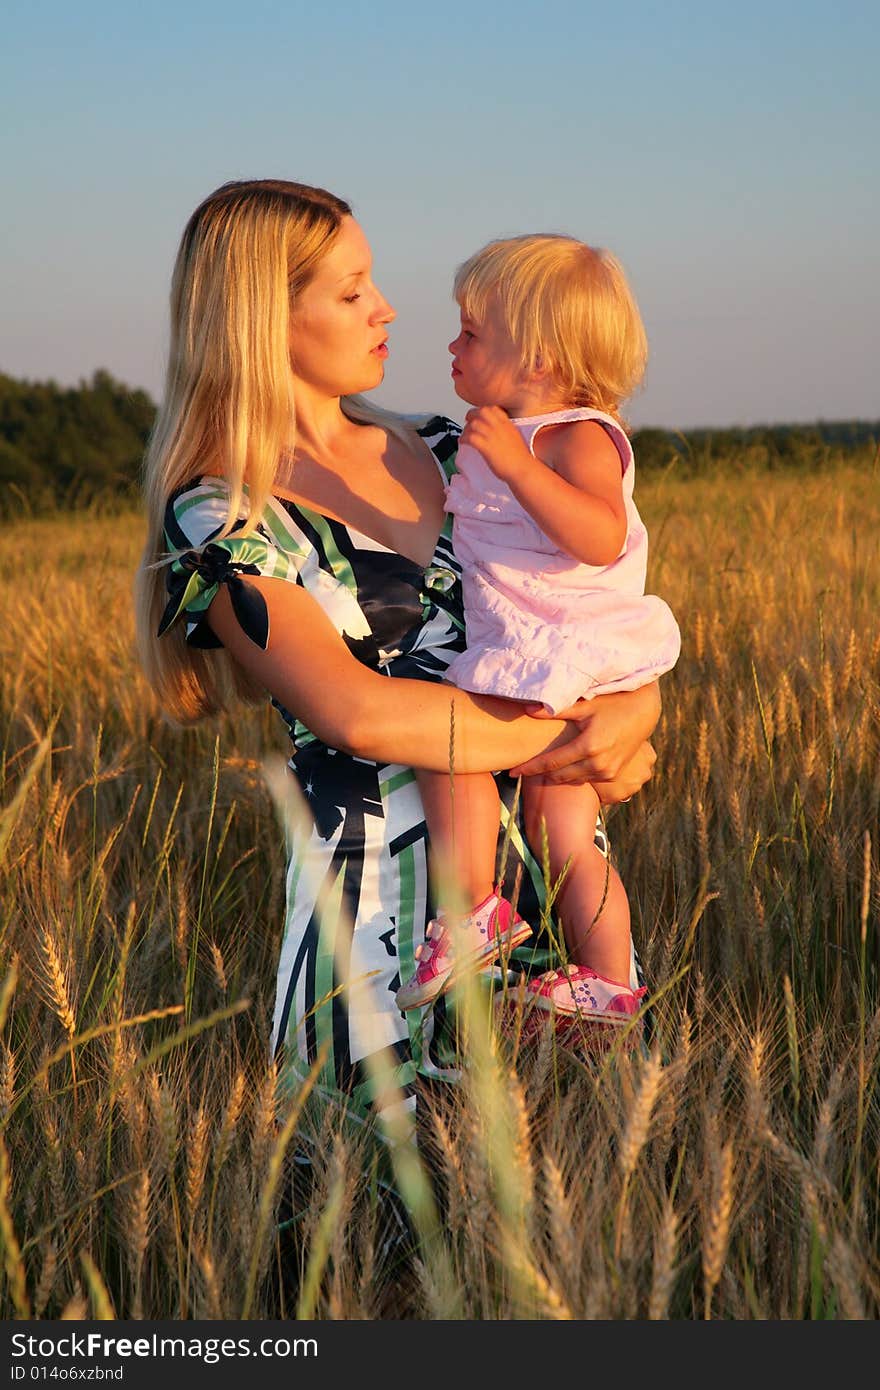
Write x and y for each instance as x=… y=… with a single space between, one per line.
x=75 y=443
x=75 y=440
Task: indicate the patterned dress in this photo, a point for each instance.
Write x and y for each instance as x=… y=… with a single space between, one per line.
x=358 y=896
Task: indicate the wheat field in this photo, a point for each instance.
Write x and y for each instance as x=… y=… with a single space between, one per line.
x=728 y=1169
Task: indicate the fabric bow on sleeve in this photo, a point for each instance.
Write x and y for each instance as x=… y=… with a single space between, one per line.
x=194 y=578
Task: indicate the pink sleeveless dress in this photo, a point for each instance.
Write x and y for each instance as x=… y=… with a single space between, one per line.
x=542 y=626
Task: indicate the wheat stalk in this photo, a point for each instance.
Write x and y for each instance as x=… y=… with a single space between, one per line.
x=197 y=1161
x=57 y=981
x=12 y=1258
x=716 y=1230
x=825 y=1122
x=635 y=1134
x=212 y=1288
x=457 y=1193
x=164 y=1110
x=231 y=1116
x=54 y=1160
x=703 y=756
x=7 y=1080
x=664 y=1271
x=791 y=1036
x=521 y=1150
x=560 y=1216
x=531 y=1286
x=101 y=1301
x=76 y=1309
x=338 y=1261
x=841 y=1267
x=756 y=1100
x=273 y=1175
x=137 y=1237
x=182 y=920
x=46 y=1282
x=263 y=1126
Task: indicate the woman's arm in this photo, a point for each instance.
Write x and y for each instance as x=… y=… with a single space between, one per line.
x=311 y=672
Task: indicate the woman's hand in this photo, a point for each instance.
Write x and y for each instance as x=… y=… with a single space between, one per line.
x=611 y=748
x=631 y=778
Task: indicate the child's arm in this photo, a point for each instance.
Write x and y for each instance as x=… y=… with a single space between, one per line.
x=578 y=501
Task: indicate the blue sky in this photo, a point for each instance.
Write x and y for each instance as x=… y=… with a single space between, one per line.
x=727 y=154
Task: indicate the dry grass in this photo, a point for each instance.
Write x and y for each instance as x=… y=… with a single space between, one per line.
x=730 y=1171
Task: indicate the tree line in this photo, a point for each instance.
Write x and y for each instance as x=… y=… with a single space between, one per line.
x=88 y=438
x=768 y=447
x=75 y=443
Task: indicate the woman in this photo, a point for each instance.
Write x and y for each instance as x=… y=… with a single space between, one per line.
x=310 y=560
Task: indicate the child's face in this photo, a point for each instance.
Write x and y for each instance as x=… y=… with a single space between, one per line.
x=486 y=366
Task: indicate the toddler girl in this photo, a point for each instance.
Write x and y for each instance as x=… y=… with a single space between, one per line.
x=554 y=554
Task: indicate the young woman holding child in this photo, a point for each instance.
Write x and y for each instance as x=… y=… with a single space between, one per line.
x=298 y=549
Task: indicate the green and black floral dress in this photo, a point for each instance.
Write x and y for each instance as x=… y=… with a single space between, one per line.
x=358 y=897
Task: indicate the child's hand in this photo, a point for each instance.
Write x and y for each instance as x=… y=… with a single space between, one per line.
x=488 y=429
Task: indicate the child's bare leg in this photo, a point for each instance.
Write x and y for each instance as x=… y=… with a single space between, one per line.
x=569 y=813
x=463 y=834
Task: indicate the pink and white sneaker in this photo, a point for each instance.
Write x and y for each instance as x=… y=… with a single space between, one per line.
x=452 y=948
x=578 y=991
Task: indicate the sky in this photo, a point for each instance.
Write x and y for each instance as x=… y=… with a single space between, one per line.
x=727 y=154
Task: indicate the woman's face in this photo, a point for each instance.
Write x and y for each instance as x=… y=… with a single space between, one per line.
x=338 y=324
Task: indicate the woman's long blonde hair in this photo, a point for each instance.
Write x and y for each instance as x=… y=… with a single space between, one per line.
x=566 y=306
x=246 y=253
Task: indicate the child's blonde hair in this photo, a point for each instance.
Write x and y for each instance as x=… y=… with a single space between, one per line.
x=567 y=307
